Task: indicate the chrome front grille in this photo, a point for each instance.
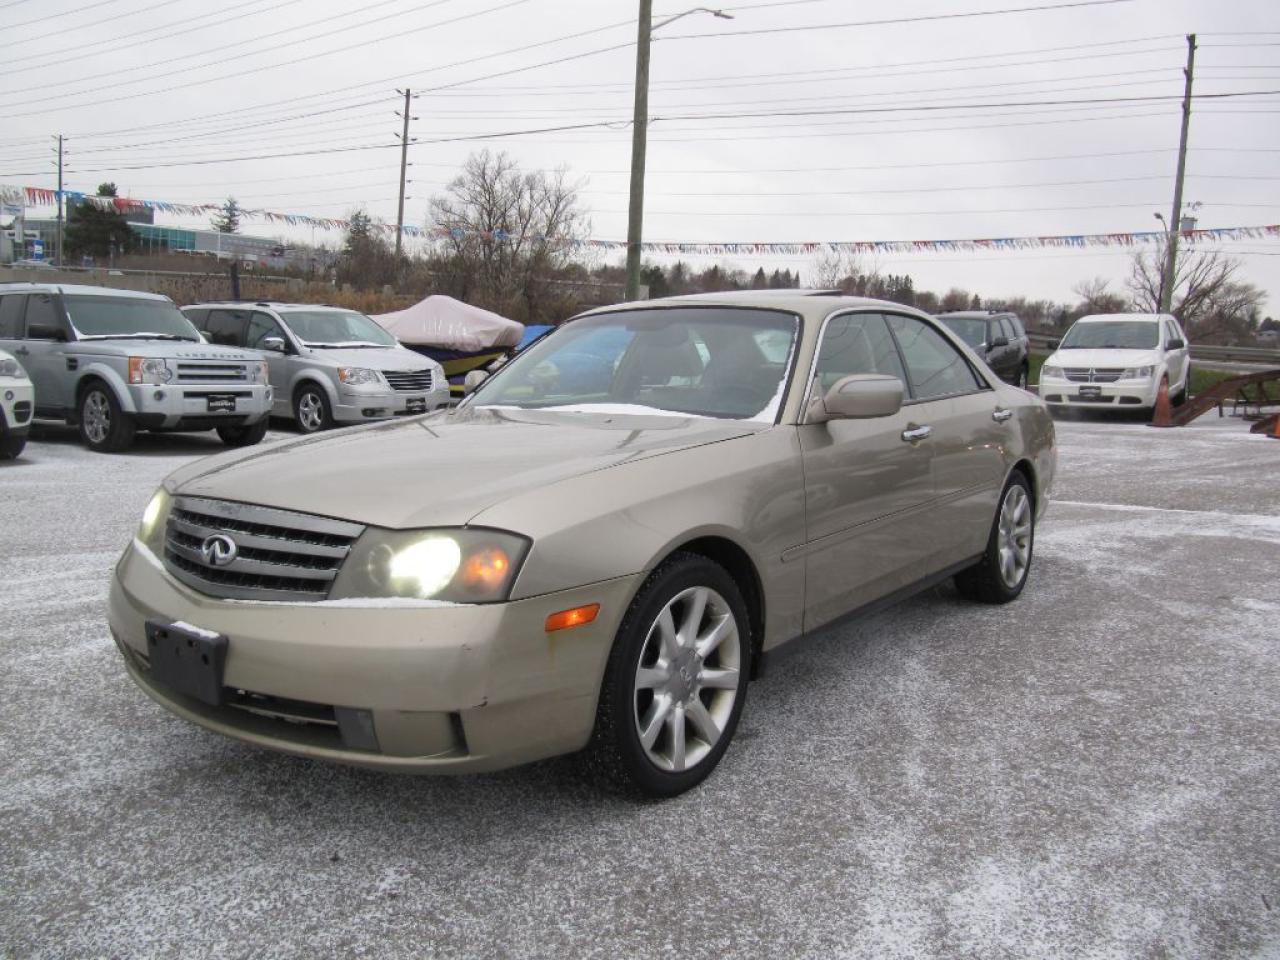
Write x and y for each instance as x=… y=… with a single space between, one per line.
x=211 y=372
x=273 y=554
x=410 y=380
x=1093 y=374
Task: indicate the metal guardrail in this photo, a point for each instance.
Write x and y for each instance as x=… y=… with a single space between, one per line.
x=1198 y=351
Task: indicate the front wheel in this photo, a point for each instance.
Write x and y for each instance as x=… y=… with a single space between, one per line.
x=1002 y=572
x=676 y=680
x=104 y=427
x=11 y=446
x=243 y=436
x=311 y=409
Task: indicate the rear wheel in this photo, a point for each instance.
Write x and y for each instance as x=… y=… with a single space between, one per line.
x=1185 y=391
x=1002 y=572
x=675 y=682
x=104 y=427
x=311 y=409
x=243 y=436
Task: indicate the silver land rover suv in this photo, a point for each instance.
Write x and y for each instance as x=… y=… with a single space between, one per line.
x=327 y=364
x=118 y=361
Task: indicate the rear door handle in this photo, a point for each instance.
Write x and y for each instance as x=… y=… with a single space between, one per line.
x=915 y=434
x=1001 y=414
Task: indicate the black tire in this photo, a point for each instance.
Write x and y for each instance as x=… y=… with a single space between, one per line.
x=986 y=581
x=243 y=436
x=11 y=446
x=311 y=410
x=616 y=754
x=1183 y=394
x=104 y=427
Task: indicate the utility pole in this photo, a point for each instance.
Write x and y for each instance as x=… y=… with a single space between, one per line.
x=57 y=255
x=404 y=163
x=639 y=142
x=1168 y=275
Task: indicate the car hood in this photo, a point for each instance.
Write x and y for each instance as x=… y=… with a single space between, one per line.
x=169 y=349
x=1104 y=358
x=381 y=358
x=442 y=469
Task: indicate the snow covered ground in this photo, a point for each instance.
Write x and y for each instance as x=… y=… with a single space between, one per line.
x=1093 y=771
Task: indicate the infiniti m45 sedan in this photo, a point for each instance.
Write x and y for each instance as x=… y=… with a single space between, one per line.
x=596 y=550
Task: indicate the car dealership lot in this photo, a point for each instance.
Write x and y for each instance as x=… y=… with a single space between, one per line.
x=1090 y=771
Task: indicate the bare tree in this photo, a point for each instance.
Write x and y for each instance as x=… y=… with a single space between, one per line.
x=1207 y=297
x=842 y=270
x=504 y=234
x=1096 y=297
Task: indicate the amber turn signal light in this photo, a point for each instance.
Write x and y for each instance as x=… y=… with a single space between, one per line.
x=572 y=618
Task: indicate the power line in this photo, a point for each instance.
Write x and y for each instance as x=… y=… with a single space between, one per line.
x=63 y=13
x=94 y=23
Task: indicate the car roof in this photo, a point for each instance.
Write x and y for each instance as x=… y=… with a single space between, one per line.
x=1130 y=317
x=269 y=304
x=972 y=314
x=815 y=304
x=78 y=289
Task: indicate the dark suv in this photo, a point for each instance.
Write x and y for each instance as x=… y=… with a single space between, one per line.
x=998 y=337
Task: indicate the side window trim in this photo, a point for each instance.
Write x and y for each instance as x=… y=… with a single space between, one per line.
x=982 y=383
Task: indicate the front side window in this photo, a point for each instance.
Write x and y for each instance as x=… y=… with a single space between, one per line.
x=336 y=328
x=42 y=312
x=261 y=326
x=722 y=362
x=226 y=327
x=934 y=367
x=1112 y=335
x=856 y=343
x=128 y=318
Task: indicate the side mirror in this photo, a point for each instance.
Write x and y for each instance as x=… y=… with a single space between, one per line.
x=999 y=342
x=1176 y=344
x=473 y=379
x=274 y=344
x=858 y=397
x=42 y=331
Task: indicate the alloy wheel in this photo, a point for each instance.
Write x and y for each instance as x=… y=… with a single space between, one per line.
x=686 y=682
x=96 y=416
x=1015 y=535
x=310 y=413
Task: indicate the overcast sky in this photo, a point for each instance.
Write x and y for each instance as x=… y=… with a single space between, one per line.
x=144 y=89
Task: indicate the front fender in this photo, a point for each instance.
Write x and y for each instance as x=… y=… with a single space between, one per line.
x=317 y=375
x=97 y=370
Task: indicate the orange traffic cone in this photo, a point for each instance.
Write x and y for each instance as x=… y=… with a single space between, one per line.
x=1163 y=415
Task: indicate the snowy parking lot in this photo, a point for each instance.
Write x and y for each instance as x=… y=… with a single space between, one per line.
x=1092 y=771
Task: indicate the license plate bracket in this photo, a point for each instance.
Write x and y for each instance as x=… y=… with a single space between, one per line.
x=1090 y=392
x=416 y=405
x=221 y=403
x=188 y=660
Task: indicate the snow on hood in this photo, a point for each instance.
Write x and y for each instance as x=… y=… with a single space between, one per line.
x=1094 y=357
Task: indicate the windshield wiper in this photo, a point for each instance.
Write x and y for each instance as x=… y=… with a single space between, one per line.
x=354 y=344
x=139 y=336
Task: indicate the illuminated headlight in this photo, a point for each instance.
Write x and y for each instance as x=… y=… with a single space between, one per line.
x=458 y=565
x=154 y=518
x=1049 y=370
x=257 y=371
x=354 y=376
x=149 y=370
x=11 y=369
x=1138 y=373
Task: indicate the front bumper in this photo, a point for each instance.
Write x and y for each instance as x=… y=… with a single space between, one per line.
x=435 y=689
x=358 y=407
x=16 y=405
x=1123 y=393
x=202 y=406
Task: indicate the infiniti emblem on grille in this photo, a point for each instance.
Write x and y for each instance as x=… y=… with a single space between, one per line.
x=219 y=550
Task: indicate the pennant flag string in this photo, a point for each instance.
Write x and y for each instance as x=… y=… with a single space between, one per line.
x=11 y=196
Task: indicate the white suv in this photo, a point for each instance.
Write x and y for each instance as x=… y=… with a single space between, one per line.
x=1118 y=360
x=16 y=396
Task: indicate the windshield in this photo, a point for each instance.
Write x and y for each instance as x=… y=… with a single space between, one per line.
x=128 y=317
x=971 y=330
x=726 y=362
x=1112 y=334
x=336 y=328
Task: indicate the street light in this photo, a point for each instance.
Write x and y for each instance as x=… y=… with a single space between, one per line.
x=640 y=135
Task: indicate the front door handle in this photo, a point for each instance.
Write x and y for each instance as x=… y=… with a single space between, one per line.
x=915 y=434
x=1001 y=414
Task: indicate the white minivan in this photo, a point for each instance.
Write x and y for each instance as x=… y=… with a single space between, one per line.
x=1118 y=360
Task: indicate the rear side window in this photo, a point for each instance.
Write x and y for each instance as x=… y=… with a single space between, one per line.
x=11 y=316
x=1006 y=328
x=42 y=310
x=1015 y=322
x=856 y=343
x=934 y=367
x=226 y=327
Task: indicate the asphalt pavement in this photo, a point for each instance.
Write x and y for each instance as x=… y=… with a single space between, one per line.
x=1092 y=771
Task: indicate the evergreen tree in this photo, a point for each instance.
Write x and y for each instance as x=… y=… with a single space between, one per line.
x=97 y=231
x=227 y=219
